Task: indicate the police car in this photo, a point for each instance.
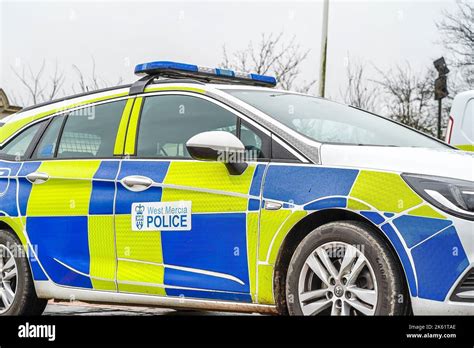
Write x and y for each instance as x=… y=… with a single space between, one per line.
x=210 y=189
x=460 y=130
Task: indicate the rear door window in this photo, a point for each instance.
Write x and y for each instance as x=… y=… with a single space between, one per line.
x=91 y=132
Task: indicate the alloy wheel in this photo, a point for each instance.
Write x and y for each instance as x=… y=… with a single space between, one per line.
x=337 y=279
x=8 y=278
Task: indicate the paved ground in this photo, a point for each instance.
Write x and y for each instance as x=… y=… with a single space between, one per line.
x=81 y=308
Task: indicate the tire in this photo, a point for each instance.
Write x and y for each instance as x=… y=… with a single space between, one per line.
x=364 y=279
x=25 y=301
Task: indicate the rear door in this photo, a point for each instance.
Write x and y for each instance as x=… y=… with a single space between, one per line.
x=12 y=155
x=68 y=189
x=185 y=227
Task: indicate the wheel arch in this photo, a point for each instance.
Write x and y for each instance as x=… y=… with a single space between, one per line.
x=301 y=229
x=16 y=229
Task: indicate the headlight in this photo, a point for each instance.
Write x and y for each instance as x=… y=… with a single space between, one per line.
x=450 y=195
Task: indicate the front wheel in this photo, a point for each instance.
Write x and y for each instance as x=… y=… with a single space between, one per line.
x=341 y=268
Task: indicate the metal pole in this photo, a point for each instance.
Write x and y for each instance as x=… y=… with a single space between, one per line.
x=324 y=46
x=439 y=119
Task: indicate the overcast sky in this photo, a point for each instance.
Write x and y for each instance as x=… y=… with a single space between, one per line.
x=120 y=34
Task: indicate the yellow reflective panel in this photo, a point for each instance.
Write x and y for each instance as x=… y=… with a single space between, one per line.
x=17 y=224
x=265 y=284
x=139 y=272
x=134 y=276
x=203 y=202
x=133 y=127
x=142 y=289
x=281 y=234
x=122 y=130
x=136 y=245
x=102 y=251
x=209 y=175
x=252 y=242
x=356 y=205
x=386 y=192
x=271 y=221
x=67 y=192
x=192 y=177
x=426 y=211
x=467 y=147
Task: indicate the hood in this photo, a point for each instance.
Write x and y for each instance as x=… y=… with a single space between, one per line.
x=438 y=162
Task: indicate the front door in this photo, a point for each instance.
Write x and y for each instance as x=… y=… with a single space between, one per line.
x=185 y=228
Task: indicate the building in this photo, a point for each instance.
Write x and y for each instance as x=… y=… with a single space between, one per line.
x=5 y=107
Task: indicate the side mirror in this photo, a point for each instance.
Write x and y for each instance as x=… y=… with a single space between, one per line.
x=219 y=146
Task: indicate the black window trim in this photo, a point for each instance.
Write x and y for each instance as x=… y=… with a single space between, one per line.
x=60 y=136
x=32 y=148
x=266 y=139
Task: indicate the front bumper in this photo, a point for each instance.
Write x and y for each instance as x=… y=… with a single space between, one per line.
x=459 y=299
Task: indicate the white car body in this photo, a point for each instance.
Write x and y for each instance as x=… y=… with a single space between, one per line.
x=460 y=131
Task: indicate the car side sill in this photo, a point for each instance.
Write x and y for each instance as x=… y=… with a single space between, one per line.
x=423 y=306
x=49 y=290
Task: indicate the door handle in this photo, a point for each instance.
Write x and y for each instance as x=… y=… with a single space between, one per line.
x=37 y=177
x=137 y=183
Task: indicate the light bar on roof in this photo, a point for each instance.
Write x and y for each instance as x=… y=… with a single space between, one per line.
x=174 y=69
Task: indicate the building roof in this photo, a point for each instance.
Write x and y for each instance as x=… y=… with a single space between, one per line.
x=5 y=107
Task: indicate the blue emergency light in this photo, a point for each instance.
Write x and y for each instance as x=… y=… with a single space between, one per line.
x=181 y=70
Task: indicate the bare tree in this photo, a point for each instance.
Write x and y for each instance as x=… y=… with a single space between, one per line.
x=271 y=55
x=457 y=29
x=39 y=89
x=409 y=97
x=91 y=83
x=359 y=91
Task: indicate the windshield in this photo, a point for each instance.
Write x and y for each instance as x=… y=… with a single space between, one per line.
x=330 y=122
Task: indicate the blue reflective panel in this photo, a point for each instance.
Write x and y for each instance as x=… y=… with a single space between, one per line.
x=63 y=248
x=326 y=203
x=415 y=229
x=439 y=261
x=216 y=244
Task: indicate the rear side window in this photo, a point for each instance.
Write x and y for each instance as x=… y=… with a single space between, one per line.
x=18 y=146
x=91 y=132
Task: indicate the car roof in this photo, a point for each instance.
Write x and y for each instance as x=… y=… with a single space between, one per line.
x=42 y=107
x=17 y=121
